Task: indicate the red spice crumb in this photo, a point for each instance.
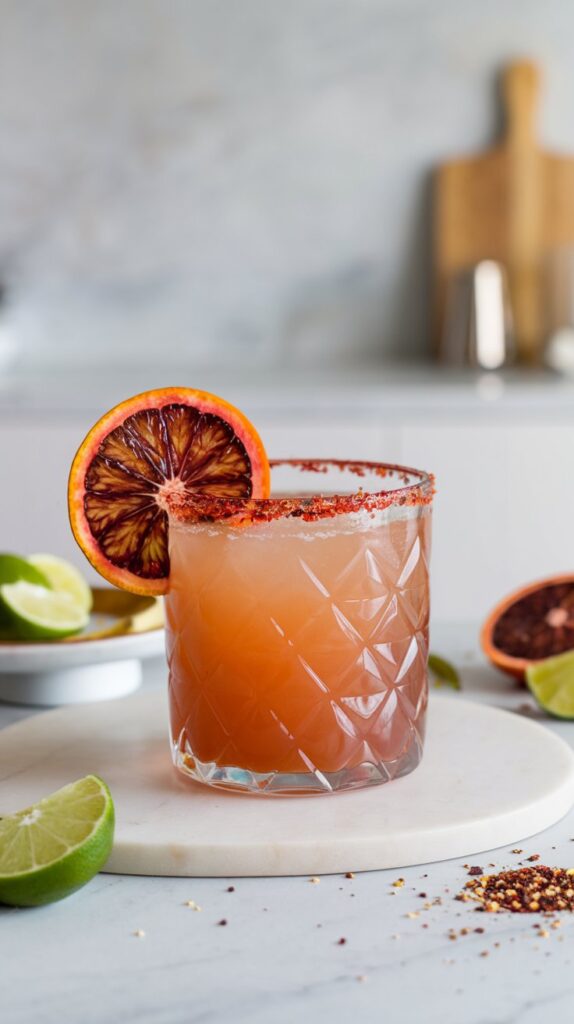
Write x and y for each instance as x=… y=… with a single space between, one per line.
x=479 y=930
x=231 y=888
x=475 y=870
x=349 y=874
x=535 y=856
x=342 y=942
x=423 y=895
x=484 y=952
x=223 y=921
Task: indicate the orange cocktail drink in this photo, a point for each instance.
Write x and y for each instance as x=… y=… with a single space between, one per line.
x=297 y=630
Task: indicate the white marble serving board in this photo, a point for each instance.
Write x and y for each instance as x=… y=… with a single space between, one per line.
x=488 y=778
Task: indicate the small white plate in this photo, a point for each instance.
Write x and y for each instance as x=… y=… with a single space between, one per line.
x=102 y=662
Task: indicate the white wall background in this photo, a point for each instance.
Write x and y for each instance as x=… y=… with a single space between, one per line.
x=242 y=180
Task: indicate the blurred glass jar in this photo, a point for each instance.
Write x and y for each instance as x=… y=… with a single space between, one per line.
x=478 y=327
x=559 y=292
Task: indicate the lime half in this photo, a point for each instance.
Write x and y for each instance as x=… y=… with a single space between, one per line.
x=35 y=613
x=64 y=578
x=552 y=683
x=56 y=846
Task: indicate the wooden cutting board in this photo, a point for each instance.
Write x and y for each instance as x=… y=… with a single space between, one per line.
x=487 y=778
x=512 y=204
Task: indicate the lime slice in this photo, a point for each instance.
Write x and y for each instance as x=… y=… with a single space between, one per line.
x=552 y=683
x=63 y=577
x=36 y=613
x=54 y=847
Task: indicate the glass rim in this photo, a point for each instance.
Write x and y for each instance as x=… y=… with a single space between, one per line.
x=418 y=488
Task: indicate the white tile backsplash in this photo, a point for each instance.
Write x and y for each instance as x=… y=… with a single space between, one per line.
x=505 y=491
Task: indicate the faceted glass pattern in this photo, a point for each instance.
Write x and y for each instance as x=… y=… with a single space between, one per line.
x=298 y=651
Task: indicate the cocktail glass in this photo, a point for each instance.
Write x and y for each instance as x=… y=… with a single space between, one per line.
x=297 y=629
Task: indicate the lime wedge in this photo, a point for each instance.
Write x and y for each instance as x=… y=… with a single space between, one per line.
x=35 y=613
x=13 y=568
x=552 y=683
x=64 y=578
x=54 y=847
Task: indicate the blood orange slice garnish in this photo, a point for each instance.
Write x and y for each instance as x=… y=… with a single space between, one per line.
x=153 y=446
x=530 y=625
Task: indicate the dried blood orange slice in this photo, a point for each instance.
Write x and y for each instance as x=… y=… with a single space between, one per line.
x=530 y=625
x=160 y=443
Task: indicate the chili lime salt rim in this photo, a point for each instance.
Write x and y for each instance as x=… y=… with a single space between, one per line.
x=418 y=488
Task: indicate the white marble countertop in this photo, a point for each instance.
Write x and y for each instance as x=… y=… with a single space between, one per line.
x=279 y=957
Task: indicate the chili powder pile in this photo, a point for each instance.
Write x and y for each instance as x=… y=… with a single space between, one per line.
x=523 y=890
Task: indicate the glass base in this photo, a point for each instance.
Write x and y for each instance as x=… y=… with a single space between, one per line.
x=241 y=780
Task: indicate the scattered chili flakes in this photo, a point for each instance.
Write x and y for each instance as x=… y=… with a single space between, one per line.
x=476 y=870
x=349 y=874
x=230 y=888
x=314 y=880
x=342 y=941
x=523 y=890
x=535 y=856
x=517 y=851
x=398 y=883
x=453 y=935
x=223 y=922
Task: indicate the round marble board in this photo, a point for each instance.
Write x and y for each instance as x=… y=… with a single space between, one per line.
x=488 y=778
